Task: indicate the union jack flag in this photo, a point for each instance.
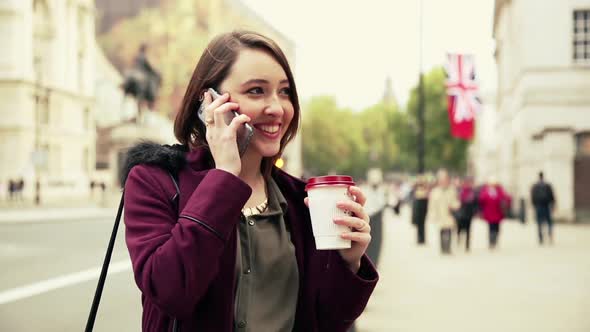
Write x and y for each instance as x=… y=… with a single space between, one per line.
x=462 y=91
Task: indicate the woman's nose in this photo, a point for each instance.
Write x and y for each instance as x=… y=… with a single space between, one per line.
x=274 y=107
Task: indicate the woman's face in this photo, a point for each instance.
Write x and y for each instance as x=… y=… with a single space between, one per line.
x=258 y=83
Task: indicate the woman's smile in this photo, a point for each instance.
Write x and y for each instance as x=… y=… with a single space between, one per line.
x=269 y=130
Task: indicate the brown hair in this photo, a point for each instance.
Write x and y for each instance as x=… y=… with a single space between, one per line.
x=211 y=70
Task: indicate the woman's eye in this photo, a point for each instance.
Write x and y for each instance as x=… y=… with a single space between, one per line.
x=256 y=91
x=286 y=91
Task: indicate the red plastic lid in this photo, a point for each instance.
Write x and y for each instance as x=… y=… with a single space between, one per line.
x=329 y=180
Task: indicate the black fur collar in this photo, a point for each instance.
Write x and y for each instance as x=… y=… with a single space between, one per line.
x=169 y=157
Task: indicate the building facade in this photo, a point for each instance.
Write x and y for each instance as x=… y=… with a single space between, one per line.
x=47 y=130
x=483 y=161
x=543 y=104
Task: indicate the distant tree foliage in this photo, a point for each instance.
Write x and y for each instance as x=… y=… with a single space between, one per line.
x=338 y=140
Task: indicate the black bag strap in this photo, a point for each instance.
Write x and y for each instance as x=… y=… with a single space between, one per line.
x=107 y=261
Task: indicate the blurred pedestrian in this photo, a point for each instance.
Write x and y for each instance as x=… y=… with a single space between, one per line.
x=468 y=208
x=103 y=193
x=522 y=211
x=420 y=208
x=92 y=185
x=544 y=203
x=21 y=188
x=237 y=253
x=11 y=189
x=443 y=203
x=393 y=199
x=492 y=206
x=374 y=207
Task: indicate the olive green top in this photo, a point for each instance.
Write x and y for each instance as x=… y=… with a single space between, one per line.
x=267 y=274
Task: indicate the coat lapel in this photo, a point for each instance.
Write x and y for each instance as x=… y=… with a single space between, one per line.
x=294 y=194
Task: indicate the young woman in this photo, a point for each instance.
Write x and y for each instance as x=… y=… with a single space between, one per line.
x=237 y=252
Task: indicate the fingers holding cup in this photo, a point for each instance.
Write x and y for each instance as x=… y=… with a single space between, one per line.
x=354 y=223
x=358 y=195
x=355 y=208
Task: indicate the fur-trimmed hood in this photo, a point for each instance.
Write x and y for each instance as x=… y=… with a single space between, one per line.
x=169 y=157
x=173 y=158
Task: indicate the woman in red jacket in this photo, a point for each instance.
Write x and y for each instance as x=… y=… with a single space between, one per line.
x=234 y=251
x=492 y=201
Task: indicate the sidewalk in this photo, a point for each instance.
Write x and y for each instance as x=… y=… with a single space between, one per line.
x=519 y=287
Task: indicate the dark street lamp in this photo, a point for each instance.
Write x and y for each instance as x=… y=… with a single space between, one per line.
x=421 y=104
x=41 y=96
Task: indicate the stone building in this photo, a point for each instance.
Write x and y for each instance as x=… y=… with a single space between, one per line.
x=543 y=104
x=47 y=130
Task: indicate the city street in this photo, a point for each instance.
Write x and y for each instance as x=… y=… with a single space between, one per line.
x=31 y=253
x=49 y=272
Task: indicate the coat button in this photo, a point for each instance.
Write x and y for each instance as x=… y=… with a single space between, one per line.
x=251 y=222
x=241 y=324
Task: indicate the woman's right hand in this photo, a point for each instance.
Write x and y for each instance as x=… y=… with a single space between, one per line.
x=220 y=136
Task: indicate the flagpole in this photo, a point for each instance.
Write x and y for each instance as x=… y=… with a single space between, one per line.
x=420 y=115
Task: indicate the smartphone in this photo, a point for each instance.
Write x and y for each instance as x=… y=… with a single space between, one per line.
x=244 y=133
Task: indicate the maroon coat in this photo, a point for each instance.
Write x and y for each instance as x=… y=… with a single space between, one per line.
x=184 y=263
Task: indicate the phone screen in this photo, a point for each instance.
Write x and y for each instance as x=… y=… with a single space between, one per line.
x=244 y=133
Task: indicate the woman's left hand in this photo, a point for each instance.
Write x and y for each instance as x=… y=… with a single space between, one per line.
x=358 y=222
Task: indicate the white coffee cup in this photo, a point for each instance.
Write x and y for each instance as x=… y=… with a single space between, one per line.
x=324 y=193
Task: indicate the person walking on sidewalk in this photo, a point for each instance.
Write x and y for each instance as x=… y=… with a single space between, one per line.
x=492 y=204
x=443 y=201
x=465 y=213
x=544 y=203
x=374 y=207
x=420 y=208
x=231 y=248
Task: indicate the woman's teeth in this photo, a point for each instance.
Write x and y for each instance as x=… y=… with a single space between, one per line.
x=269 y=129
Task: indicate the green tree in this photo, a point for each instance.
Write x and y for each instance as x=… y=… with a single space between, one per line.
x=338 y=140
x=441 y=149
x=326 y=147
x=377 y=123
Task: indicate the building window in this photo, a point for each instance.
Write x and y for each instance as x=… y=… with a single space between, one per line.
x=81 y=48
x=44 y=114
x=582 y=35
x=55 y=159
x=41 y=99
x=42 y=40
x=86 y=119
x=86 y=161
x=102 y=165
x=583 y=144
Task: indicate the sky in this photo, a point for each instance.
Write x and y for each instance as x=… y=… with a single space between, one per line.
x=347 y=49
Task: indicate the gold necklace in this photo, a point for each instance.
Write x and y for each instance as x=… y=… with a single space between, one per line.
x=258 y=209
